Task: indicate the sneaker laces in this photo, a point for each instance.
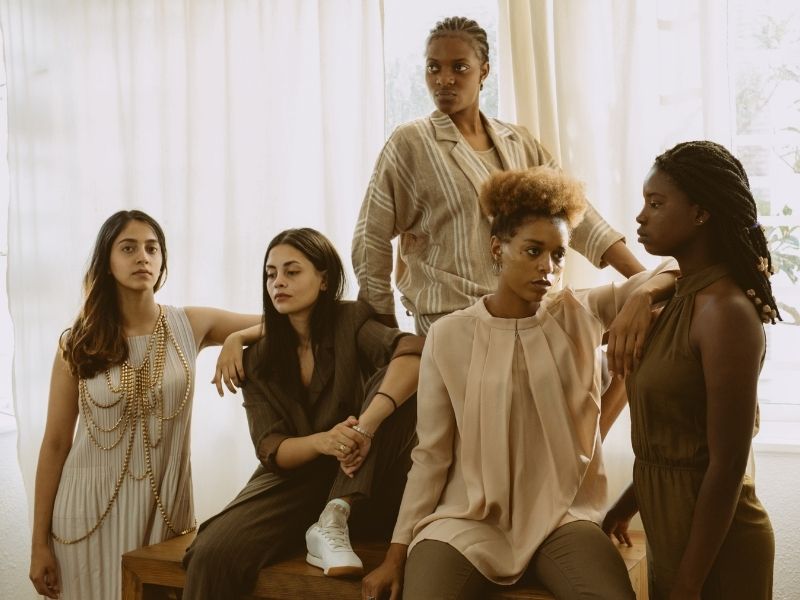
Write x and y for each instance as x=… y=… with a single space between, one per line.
x=337 y=536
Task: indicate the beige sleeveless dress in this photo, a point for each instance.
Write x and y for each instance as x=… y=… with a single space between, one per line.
x=154 y=497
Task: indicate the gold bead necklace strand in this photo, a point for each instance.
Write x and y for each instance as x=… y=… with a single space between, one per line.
x=141 y=389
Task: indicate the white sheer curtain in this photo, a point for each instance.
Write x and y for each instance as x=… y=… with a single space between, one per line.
x=607 y=86
x=227 y=121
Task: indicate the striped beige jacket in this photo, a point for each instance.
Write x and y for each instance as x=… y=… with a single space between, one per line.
x=425 y=189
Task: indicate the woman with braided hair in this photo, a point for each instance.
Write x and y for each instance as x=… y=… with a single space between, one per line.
x=425 y=188
x=694 y=406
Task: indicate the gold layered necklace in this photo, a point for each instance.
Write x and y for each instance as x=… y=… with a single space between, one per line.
x=140 y=392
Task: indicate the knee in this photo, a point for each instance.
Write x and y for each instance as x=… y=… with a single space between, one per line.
x=209 y=554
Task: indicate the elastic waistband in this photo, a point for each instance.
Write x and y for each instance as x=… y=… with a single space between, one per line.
x=663 y=464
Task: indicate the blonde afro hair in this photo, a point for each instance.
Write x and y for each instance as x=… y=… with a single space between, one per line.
x=509 y=198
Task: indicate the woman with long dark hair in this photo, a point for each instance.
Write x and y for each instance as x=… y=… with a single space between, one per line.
x=124 y=373
x=693 y=397
x=326 y=395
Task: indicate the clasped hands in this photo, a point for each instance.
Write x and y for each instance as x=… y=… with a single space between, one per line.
x=346 y=444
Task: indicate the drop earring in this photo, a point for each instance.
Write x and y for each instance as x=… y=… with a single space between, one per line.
x=497 y=265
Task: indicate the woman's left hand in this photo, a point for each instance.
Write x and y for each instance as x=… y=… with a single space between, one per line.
x=627 y=334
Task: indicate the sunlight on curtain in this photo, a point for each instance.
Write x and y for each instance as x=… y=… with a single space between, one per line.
x=227 y=121
x=628 y=80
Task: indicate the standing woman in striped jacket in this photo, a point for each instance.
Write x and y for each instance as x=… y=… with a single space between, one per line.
x=425 y=189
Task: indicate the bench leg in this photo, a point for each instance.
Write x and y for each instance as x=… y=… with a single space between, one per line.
x=132 y=588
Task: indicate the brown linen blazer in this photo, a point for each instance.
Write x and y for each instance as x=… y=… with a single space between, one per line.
x=357 y=348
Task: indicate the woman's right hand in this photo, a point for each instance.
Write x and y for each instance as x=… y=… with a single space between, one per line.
x=616 y=524
x=388 y=577
x=619 y=516
x=341 y=440
x=229 y=364
x=44 y=571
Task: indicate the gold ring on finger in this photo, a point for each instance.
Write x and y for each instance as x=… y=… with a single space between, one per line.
x=341 y=448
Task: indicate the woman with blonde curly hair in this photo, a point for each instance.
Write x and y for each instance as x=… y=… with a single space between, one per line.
x=507 y=479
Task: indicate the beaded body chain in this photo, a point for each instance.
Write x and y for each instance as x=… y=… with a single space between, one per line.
x=140 y=392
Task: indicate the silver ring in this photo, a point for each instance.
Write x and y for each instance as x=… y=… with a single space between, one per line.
x=341 y=448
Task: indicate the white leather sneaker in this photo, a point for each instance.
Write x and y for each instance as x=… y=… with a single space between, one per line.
x=328 y=542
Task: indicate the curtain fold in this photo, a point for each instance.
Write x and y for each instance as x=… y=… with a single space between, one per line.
x=226 y=121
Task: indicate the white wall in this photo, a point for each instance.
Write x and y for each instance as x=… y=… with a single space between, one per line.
x=778 y=488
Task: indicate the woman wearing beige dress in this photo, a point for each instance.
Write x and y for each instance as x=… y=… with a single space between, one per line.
x=507 y=479
x=693 y=398
x=124 y=374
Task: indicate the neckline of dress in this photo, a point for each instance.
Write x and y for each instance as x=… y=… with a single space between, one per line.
x=688 y=284
x=507 y=324
x=162 y=312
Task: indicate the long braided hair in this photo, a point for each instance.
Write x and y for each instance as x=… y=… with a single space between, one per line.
x=462 y=27
x=715 y=180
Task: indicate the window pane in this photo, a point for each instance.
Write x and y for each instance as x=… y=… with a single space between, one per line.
x=766 y=63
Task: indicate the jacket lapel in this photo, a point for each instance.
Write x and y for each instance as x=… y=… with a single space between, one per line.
x=323 y=370
x=464 y=157
x=505 y=140
x=508 y=144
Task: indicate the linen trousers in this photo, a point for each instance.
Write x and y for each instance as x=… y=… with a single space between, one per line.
x=224 y=560
x=575 y=562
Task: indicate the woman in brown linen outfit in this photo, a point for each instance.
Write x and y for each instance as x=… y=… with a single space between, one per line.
x=330 y=403
x=693 y=397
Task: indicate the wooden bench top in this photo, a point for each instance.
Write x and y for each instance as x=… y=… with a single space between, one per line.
x=148 y=569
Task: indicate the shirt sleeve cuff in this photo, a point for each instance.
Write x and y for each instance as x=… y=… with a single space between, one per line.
x=409 y=345
x=268 y=450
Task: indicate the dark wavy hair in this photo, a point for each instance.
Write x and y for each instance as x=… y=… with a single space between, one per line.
x=96 y=339
x=714 y=179
x=280 y=359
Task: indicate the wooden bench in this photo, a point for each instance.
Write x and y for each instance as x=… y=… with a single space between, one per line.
x=149 y=573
